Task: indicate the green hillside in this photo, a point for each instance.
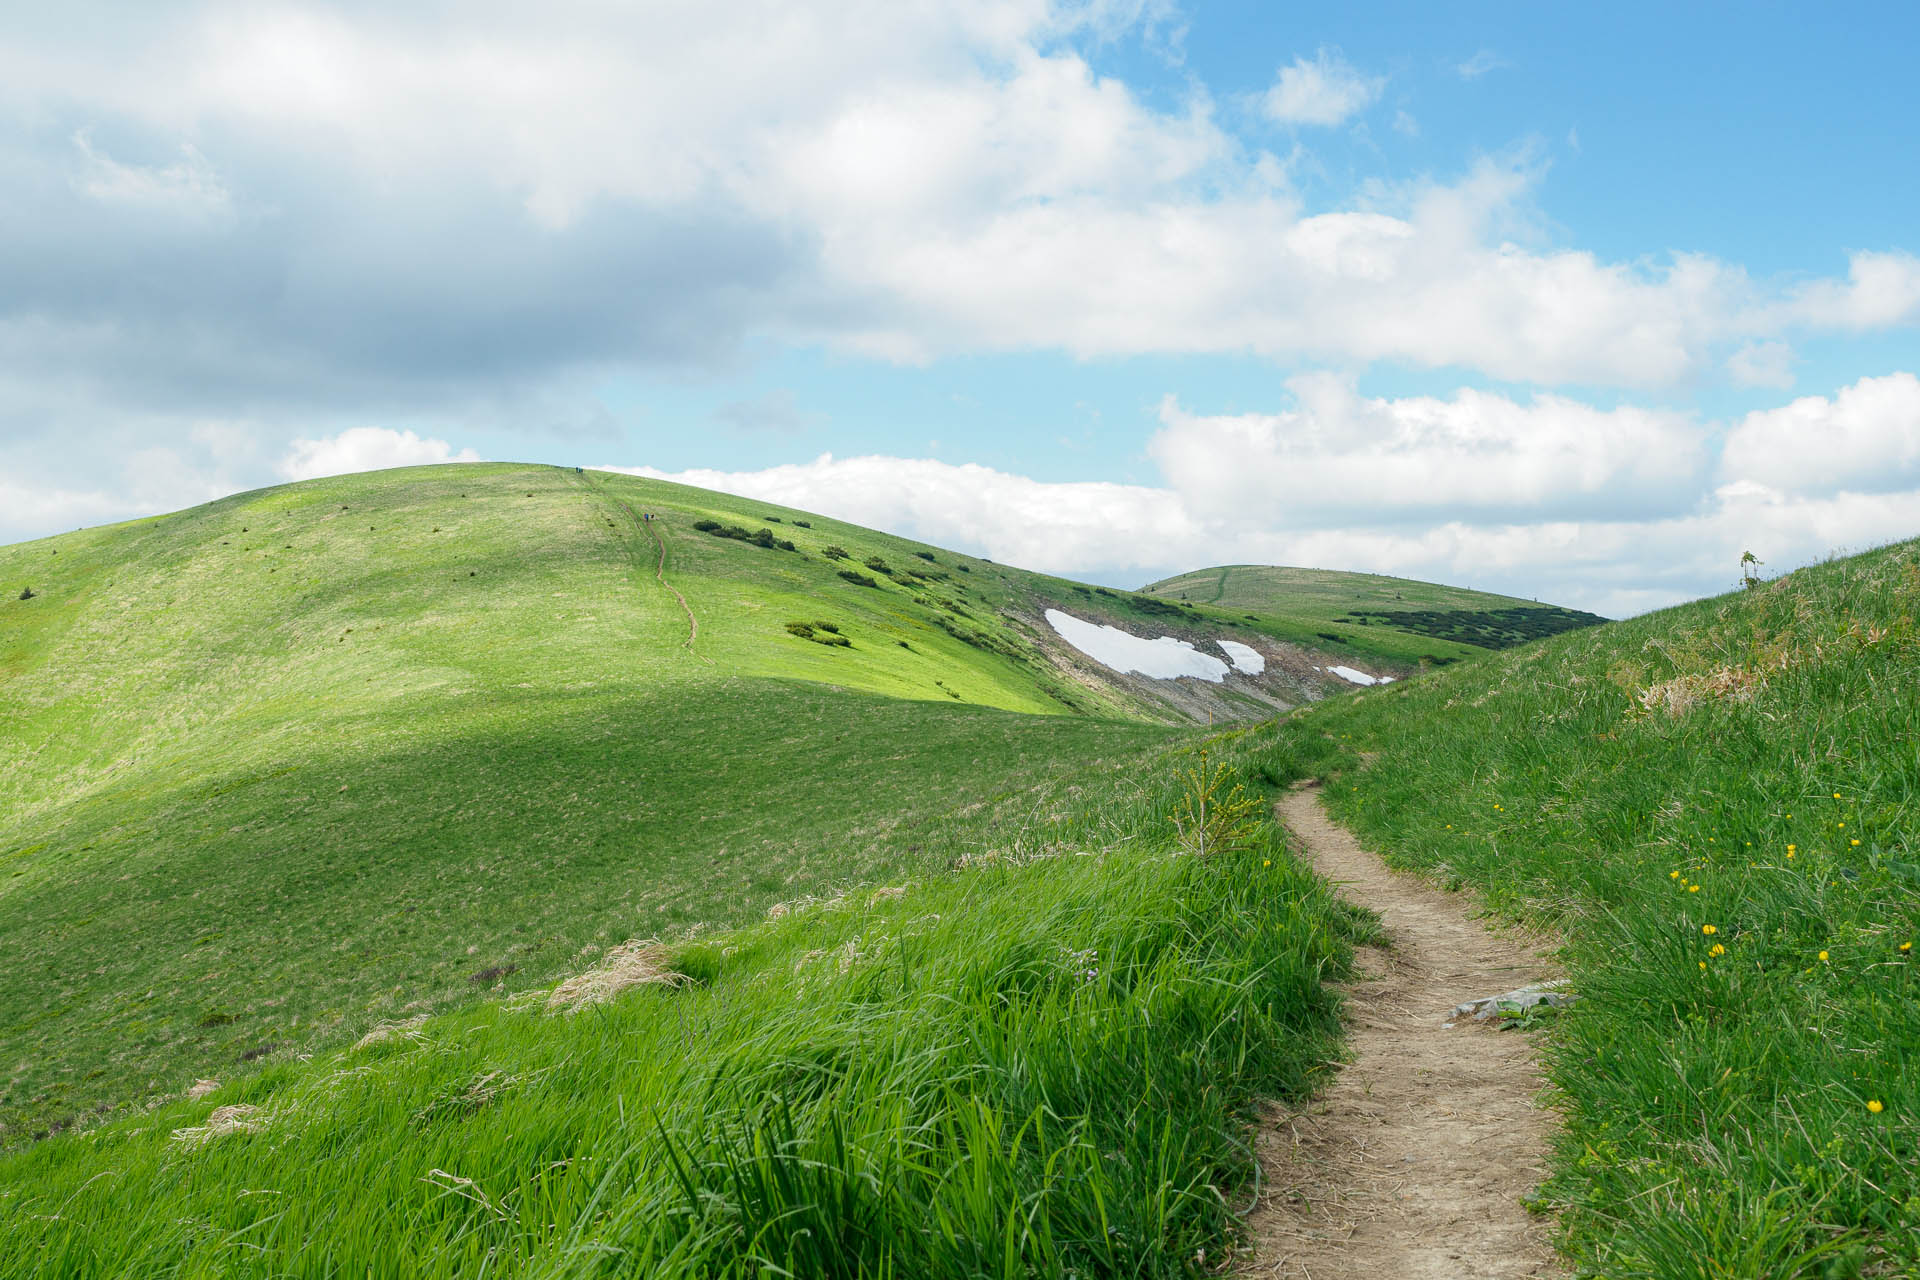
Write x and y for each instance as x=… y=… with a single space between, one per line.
x=310 y=796
x=1421 y=619
x=1719 y=806
x=278 y=767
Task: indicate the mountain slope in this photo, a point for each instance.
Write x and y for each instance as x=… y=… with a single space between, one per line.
x=1718 y=805
x=1419 y=619
x=274 y=768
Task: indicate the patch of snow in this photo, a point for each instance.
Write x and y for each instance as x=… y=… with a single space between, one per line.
x=1164 y=658
x=1245 y=657
x=1359 y=677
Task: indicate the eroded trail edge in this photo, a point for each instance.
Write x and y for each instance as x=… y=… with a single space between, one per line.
x=1414 y=1161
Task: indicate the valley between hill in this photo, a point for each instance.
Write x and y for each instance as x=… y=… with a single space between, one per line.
x=898 y=935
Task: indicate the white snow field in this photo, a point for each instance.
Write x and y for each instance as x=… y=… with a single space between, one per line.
x=1245 y=657
x=1164 y=658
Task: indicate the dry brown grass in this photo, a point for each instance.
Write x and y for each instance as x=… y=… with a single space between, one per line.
x=241 y=1117
x=1682 y=694
x=640 y=963
x=407 y=1028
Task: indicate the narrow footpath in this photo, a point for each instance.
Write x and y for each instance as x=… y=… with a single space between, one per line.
x=1412 y=1164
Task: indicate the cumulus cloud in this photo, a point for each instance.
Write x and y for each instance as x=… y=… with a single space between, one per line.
x=366 y=449
x=1339 y=455
x=1762 y=364
x=1050 y=526
x=1533 y=498
x=1881 y=289
x=400 y=214
x=1325 y=91
x=1865 y=439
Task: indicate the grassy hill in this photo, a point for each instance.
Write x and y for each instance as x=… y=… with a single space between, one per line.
x=292 y=762
x=1719 y=806
x=282 y=766
x=1420 y=619
x=316 y=793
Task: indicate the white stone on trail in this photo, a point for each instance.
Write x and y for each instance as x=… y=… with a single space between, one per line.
x=1245 y=657
x=1164 y=658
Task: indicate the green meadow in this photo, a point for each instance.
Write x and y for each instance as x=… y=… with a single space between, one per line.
x=515 y=871
x=1040 y=1059
x=285 y=765
x=1369 y=615
x=1718 y=806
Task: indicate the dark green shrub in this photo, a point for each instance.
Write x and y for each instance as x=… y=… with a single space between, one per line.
x=829 y=634
x=706 y=526
x=804 y=524
x=962 y=568
x=26 y=593
x=877 y=564
x=834 y=552
x=773 y=519
x=858 y=579
x=927 y=556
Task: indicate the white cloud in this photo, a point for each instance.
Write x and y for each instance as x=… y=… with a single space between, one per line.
x=1479 y=64
x=1882 y=289
x=1865 y=439
x=366 y=449
x=1326 y=91
x=1529 y=476
x=903 y=179
x=1762 y=364
x=1049 y=526
x=1339 y=457
x=189 y=186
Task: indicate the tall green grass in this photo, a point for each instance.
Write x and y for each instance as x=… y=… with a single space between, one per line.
x=1038 y=1062
x=1719 y=805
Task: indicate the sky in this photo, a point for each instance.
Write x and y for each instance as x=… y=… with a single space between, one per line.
x=1573 y=304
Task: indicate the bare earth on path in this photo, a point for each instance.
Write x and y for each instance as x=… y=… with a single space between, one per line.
x=1413 y=1162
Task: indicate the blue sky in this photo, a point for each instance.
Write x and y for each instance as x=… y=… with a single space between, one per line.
x=1576 y=305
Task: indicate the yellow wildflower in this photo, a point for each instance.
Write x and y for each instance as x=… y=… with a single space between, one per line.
x=1873 y=1105
x=1823 y=955
x=1673 y=875
x=1693 y=888
x=1853 y=844
x=1906 y=946
x=1709 y=930
x=1703 y=964
x=1717 y=950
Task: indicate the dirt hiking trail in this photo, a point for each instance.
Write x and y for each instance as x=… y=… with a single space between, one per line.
x=1412 y=1163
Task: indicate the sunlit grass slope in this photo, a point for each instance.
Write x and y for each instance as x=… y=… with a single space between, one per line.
x=1370 y=614
x=1720 y=806
x=279 y=766
x=1040 y=1061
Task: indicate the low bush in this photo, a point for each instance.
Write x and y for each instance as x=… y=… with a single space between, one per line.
x=834 y=552
x=927 y=556
x=857 y=578
x=759 y=538
x=878 y=565
x=820 y=633
x=804 y=524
